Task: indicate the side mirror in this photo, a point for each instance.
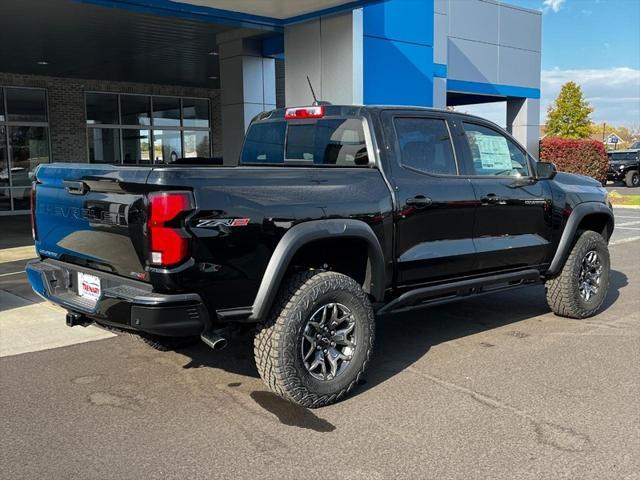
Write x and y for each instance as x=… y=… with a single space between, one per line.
x=545 y=170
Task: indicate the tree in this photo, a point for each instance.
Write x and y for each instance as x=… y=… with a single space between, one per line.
x=568 y=117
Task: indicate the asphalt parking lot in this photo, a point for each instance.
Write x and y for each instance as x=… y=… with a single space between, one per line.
x=493 y=387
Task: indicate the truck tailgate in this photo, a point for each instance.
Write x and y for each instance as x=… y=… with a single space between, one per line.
x=92 y=215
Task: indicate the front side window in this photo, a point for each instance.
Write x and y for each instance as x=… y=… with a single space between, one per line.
x=425 y=145
x=494 y=154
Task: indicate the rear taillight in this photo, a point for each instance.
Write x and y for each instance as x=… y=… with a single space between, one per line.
x=169 y=243
x=32 y=197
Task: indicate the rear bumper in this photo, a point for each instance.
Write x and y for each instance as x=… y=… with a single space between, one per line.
x=123 y=303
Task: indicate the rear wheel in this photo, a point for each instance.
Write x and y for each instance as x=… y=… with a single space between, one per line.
x=318 y=340
x=632 y=178
x=581 y=287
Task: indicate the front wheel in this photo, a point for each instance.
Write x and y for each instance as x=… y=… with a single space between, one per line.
x=318 y=340
x=581 y=287
x=632 y=178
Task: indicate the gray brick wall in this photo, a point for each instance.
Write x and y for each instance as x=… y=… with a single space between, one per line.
x=67 y=122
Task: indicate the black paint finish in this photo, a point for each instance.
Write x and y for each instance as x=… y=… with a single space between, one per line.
x=425 y=229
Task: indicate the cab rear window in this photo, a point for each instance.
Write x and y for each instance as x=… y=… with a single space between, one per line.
x=327 y=141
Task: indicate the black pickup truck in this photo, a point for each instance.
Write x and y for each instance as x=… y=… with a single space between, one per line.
x=335 y=214
x=624 y=166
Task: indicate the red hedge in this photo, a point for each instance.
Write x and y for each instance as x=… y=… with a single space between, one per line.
x=586 y=157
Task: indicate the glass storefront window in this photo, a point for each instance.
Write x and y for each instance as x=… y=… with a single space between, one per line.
x=4 y=159
x=26 y=105
x=167 y=146
x=102 y=108
x=195 y=112
x=166 y=111
x=196 y=144
x=29 y=148
x=146 y=129
x=21 y=198
x=24 y=144
x=135 y=110
x=135 y=146
x=104 y=145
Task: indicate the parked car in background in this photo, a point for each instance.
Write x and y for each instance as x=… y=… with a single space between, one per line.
x=624 y=166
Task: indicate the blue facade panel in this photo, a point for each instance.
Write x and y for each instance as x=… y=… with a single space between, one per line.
x=397 y=73
x=398 y=52
x=494 y=89
x=402 y=20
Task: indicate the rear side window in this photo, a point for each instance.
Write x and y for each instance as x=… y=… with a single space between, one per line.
x=493 y=153
x=425 y=145
x=328 y=141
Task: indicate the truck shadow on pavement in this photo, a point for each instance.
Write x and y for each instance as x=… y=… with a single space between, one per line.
x=404 y=338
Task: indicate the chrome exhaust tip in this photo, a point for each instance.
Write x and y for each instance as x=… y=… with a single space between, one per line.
x=213 y=340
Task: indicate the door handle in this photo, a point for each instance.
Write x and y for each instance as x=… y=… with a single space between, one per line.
x=75 y=188
x=419 y=201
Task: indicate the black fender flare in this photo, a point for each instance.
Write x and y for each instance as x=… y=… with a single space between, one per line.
x=300 y=235
x=566 y=240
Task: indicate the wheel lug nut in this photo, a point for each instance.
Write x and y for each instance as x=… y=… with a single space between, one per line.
x=326 y=351
x=333 y=344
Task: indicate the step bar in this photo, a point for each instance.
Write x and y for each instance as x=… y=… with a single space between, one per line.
x=447 y=292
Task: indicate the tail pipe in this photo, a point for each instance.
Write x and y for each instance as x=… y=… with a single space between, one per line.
x=214 y=340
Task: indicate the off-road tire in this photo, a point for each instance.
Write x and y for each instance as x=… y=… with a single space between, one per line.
x=632 y=179
x=563 y=294
x=167 y=344
x=277 y=342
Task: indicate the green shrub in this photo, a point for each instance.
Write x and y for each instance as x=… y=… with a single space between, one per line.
x=585 y=157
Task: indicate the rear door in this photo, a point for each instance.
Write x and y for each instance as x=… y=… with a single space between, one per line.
x=436 y=206
x=93 y=216
x=513 y=221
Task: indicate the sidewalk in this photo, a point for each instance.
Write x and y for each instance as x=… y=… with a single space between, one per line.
x=27 y=322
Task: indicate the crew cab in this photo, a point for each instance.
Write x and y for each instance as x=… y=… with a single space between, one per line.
x=624 y=166
x=335 y=214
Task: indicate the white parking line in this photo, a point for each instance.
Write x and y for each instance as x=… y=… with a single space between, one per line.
x=624 y=240
x=624 y=224
x=628 y=228
x=12 y=273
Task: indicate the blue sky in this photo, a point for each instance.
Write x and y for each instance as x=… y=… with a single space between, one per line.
x=595 y=43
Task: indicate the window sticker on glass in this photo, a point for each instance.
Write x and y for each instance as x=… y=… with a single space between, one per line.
x=494 y=152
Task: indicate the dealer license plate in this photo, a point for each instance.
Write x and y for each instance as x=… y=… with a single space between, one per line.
x=89 y=286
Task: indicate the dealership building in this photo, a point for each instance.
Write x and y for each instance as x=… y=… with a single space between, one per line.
x=149 y=81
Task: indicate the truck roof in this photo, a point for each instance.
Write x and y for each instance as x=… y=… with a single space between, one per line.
x=356 y=110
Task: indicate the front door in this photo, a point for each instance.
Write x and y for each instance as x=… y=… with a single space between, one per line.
x=513 y=220
x=435 y=205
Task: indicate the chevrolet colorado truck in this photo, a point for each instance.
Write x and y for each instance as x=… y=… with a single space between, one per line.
x=624 y=166
x=335 y=214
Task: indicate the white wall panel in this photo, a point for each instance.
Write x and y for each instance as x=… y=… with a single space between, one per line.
x=474 y=20
x=472 y=61
x=519 y=67
x=441 y=33
x=519 y=28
